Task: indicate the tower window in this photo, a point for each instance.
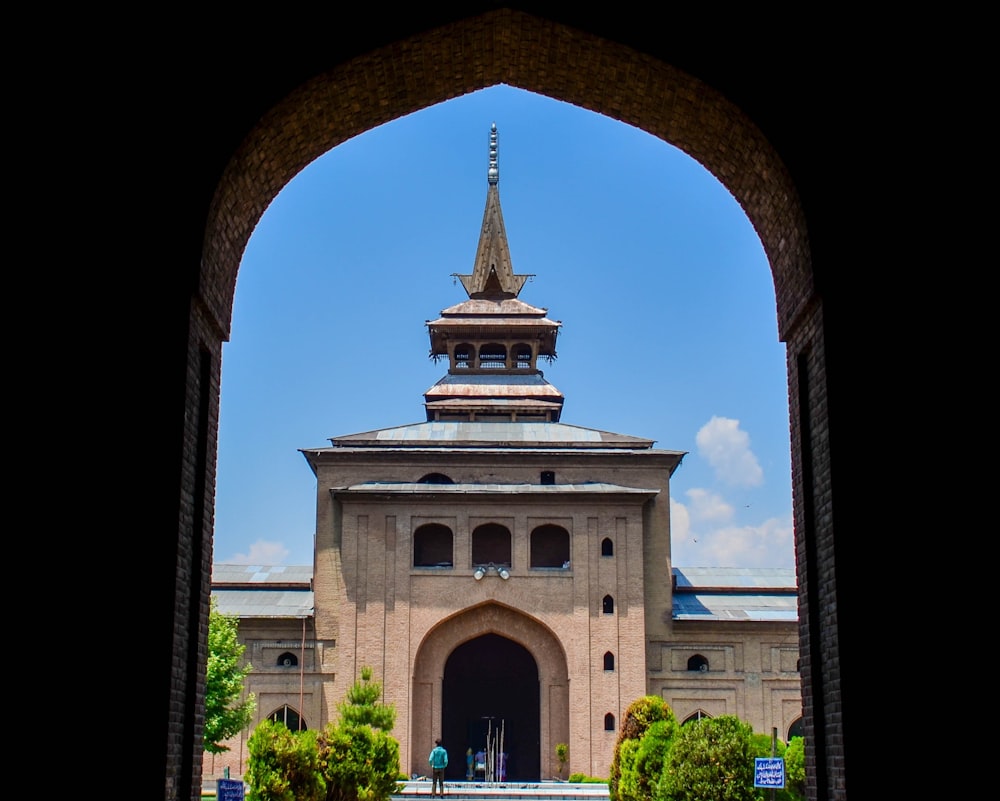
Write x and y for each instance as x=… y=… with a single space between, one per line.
x=609 y=661
x=607 y=547
x=493 y=356
x=609 y=722
x=548 y=477
x=609 y=605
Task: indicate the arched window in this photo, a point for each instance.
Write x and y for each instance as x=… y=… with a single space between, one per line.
x=522 y=355
x=435 y=478
x=285 y=714
x=491 y=545
x=609 y=605
x=549 y=546
x=609 y=661
x=493 y=356
x=698 y=662
x=607 y=547
x=287 y=659
x=609 y=722
x=797 y=729
x=432 y=546
x=463 y=354
x=696 y=716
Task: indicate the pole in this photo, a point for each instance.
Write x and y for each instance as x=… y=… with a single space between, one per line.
x=302 y=671
x=774 y=752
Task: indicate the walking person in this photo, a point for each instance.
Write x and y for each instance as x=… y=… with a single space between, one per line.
x=438 y=761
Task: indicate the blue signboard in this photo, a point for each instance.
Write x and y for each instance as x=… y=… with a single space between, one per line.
x=768 y=772
x=230 y=790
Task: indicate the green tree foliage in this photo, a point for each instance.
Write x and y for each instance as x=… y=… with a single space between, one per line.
x=711 y=759
x=562 y=754
x=795 y=767
x=283 y=765
x=360 y=758
x=359 y=763
x=362 y=706
x=225 y=714
x=643 y=759
x=638 y=716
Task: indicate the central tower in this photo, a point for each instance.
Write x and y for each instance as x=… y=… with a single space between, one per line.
x=493 y=340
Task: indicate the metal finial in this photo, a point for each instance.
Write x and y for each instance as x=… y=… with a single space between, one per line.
x=493 y=176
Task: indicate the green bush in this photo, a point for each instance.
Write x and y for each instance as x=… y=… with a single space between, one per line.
x=711 y=759
x=643 y=760
x=638 y=716
x=580 y=778
x=283 y=765
x=359 y=763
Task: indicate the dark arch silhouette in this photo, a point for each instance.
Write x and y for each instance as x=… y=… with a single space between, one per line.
x=492 y=682
x=724 y=100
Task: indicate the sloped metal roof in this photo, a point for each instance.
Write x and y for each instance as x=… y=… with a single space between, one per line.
x=441 y=433
x=701 y=593
x=732 y=577
x=415 y=488
x=735 y=593
x=263 y=591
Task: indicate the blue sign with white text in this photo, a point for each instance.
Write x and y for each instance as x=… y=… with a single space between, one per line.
x=769 y=772
x=230 y=790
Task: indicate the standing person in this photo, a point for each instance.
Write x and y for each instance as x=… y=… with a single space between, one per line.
x=468 y=764
x=438 y=761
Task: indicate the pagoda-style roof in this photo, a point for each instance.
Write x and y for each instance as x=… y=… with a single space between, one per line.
x=493 y=340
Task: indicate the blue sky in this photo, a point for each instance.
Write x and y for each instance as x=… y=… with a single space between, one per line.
x=661 y=284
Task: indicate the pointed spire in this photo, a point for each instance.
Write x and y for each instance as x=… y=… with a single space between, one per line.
x=493 y=274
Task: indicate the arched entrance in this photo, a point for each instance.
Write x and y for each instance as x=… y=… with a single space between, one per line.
x=491 y=689
x=638 y=87
x=490 y=663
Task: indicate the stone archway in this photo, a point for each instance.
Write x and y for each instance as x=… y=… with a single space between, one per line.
x=546 y=57
x=442 y=666
x=490 y=696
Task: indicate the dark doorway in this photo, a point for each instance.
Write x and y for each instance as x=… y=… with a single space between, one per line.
x=491 y=682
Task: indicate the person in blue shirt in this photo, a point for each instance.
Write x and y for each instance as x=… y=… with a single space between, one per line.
x=438 y=760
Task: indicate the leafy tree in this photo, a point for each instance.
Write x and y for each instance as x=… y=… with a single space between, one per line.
x=562 y=754
x=711 y=759
x=283 y=765
x=638 y=717
x=643 y=759
x=362 y=706
x=360 y=759
x=225 y=714
x=795 y=767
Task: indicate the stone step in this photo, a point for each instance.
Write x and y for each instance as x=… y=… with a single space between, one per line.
x=506 y=791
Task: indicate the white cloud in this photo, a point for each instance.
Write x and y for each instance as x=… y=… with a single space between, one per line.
x=261 y=553
x=727 y=449
x=709 y=507
x=698 y=541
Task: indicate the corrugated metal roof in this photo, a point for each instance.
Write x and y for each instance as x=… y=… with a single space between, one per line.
x=736 y=606
x=223 y=573
x=265 y=603
x=263 y=591
x=703 y=593
x=500 y=306
x=522 y=434
x=733 y=577
x=727 y=593
x=408 y=488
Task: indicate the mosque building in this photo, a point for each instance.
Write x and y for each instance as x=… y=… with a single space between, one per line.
x=506 y=575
